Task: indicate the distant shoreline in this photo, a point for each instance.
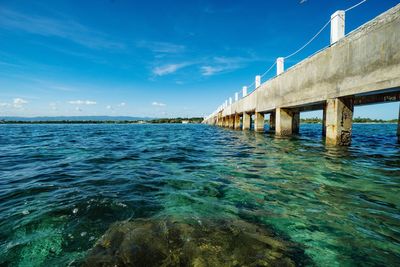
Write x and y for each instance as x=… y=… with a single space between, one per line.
x=152 y=121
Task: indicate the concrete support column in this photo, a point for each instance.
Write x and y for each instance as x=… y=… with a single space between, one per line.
x=259 y=122
x=272 y=121
x=324 y=120
x=398 y=127
x=231 y=121
x=246 y=121
x=287 y=122
x=339 y=119
x=237 y=122
x=296 y=122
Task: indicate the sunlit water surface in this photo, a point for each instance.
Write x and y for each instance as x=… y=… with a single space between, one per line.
x=63 y=186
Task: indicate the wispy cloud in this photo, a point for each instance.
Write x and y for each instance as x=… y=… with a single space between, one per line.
x=67 y=29
x=16 y=103
x=123 y=104
x=162 y=47
x=82 y=102
x=158 y=104
x=168 y=69
x=223 y=65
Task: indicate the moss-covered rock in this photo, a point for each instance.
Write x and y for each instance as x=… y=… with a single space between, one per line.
x=157 y=242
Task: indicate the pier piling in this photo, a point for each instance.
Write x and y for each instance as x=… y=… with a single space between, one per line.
x=287 y=121
x=272 y=121
x=339 y=119
x=398 y=128
x=259 y=122
x=246 y=121
x=237 y=122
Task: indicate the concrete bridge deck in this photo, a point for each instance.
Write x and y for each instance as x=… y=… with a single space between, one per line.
x=359 y=69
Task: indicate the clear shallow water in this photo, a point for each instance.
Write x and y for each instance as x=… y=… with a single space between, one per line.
x=63 y=186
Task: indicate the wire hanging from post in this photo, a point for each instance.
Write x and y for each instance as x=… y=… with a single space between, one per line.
x=309 y=42
x=356 y=5
x=268 y=70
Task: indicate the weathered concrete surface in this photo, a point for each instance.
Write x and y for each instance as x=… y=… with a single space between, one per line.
x=398 y=128
x=272 y=121
x=246 y=121
x=258 y=122
x=286 y=121
x=365 y=62
x=237 y=122
x=339 y=118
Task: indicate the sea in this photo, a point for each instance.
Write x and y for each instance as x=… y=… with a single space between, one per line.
x=197 y=195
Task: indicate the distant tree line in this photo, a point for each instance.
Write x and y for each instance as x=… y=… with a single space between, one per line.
x=163 y=120
x=177 y=120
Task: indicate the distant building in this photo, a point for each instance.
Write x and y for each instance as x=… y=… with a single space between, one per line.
x=185 y=122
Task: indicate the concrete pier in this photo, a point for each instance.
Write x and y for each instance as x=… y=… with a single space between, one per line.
x=232 y=121
x=272 y=121
x=287 y=121
x=398 y=127
x=324 y=119
x=258 y=122
x=361 y=68
x=237 y=122
x=339 y=118
x=246 y=121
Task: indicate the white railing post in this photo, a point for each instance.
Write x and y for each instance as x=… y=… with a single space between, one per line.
x=257 y=81
x=244 y=91
x=337 y=26
x=280 y=65
x=236 y=97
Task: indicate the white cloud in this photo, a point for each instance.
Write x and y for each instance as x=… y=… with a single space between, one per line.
x=123 y=104
x=78 y=109
x=19 y=102
x=224 y=64
x=210 y=70
x=16 y=103
x=158 y=104
x=82 y=102
x=162 y=47
x=109 y=107
x=168 y=69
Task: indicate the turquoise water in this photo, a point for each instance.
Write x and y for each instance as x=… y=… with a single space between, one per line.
x=63 y=186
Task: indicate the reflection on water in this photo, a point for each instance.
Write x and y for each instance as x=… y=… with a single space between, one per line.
x=64 y=186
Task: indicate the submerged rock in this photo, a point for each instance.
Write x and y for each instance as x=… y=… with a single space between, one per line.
x=156 y=242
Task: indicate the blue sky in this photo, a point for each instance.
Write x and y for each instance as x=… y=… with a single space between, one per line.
x=154 y=58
